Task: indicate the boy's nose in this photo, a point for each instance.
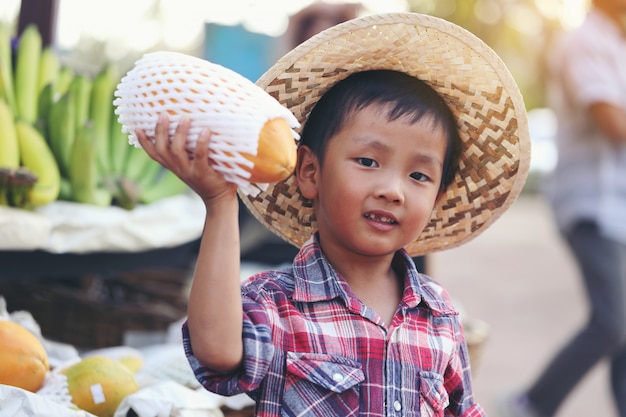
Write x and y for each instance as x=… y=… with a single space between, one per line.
x=390 y=188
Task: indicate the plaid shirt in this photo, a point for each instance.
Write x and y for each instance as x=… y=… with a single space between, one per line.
x=311 y=348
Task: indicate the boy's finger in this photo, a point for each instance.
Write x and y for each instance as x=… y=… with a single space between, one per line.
x=202 y=145
x=161 y=134
x=179 y=140
x=147 y=145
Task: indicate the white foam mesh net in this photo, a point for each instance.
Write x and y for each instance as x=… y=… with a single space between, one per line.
x=211 y=96
x=55 y=388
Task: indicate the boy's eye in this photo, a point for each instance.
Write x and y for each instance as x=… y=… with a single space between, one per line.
x=367 y=162
x=418 y=176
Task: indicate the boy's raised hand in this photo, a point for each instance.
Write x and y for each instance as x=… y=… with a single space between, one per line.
x=214 y=309
x=193 y=168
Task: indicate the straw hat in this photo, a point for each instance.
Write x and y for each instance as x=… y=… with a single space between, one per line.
x=460 y=67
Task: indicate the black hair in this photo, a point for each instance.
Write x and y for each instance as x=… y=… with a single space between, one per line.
x=408 y=96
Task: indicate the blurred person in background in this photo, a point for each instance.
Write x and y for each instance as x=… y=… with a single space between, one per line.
x=587 y=192
x=316 y=17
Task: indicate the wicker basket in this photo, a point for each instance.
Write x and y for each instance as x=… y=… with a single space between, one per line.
x=94 y=312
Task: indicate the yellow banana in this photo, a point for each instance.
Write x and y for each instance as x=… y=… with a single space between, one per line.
x=6 y=67
x=37 y=157
x=49 y=66
x=62 y=130
x=9 y=146
x=100 y=113
x=27 y=73
x=84 y=176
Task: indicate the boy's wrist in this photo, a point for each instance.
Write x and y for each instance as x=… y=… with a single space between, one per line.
x=222 y=202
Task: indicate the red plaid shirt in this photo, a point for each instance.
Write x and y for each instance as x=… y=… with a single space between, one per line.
x=311 y=348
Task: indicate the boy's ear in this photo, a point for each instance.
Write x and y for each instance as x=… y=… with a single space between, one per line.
x=307 y=170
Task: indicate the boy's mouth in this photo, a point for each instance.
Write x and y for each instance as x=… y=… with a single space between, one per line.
x=380 y=218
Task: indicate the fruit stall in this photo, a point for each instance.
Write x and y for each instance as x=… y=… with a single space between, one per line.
x=97 y=243
x=98 y=240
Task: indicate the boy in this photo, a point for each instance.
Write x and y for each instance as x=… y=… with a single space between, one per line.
x=352 y=328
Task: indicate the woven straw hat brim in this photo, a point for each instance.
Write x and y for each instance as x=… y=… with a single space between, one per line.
x=469 y=75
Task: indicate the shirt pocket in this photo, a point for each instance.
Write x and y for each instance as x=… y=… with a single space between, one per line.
x=320 y=384
x=433 y=396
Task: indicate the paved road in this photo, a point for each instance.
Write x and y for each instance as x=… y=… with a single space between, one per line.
x=519 y=278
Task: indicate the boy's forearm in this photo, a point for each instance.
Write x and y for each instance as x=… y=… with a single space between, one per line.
x=215 y=311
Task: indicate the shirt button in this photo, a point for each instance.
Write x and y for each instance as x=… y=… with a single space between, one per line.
x=337 y=377
x=397 y=406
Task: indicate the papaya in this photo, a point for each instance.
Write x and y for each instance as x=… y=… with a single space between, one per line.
x=98 y=384
x=244 y=120
x=24 y=361
x=276 y=153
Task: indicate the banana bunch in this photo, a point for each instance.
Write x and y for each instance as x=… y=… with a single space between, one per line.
x=97 y=164
x=29 y=173
x=60 y=137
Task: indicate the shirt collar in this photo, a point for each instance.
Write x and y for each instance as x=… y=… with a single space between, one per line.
x=316 y=280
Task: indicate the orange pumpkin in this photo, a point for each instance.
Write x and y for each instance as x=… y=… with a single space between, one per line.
x=24 y=361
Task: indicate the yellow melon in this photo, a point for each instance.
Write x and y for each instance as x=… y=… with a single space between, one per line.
x=98 y=384
x=248 y=125
x=24 y=361
x=276 y=155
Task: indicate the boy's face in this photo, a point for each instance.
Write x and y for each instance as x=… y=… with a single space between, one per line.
x=379 y=183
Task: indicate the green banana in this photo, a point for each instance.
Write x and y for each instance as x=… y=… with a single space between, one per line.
x=9 y=145
x=62 y=130
x=5 y=180
x=126 y=193
x=80 y=89
x=152 y=170
x=64 y=79
x=166 y=185
x=6 y=67
x=37 y=157
x=65 y=193
x=27 y=72
x=49 y=66
x=136 y=162
x=45 y=102
x=20 y=185
x=119 y=147
x=100 y=113
x=84 y=176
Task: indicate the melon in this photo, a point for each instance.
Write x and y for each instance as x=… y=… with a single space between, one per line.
x=253 y=138
x=98 y=384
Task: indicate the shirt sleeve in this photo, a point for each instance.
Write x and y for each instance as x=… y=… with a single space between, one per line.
x=458 y=381
x=258 y=352
x=588 y=70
